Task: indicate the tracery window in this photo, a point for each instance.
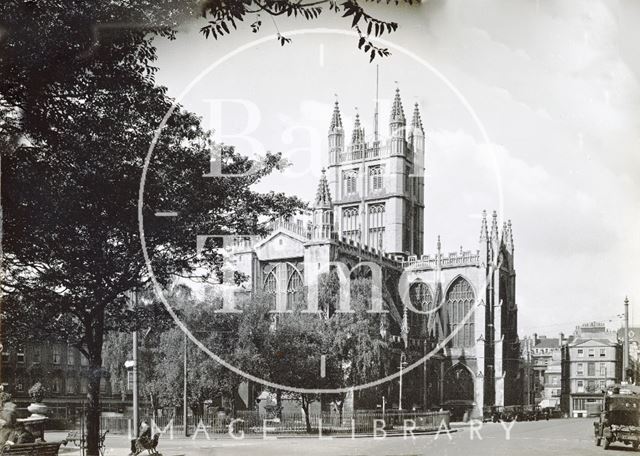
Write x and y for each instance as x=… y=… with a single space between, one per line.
x=349 y=181
x=460 y=299
x=294 y=288
x=269 y=289
x=422 y=299
x=350 y=228
x=375 y=177
x=376 y=226
x=420 y=296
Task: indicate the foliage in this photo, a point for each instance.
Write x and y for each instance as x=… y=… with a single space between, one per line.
x=223 y=16
x=37 y=392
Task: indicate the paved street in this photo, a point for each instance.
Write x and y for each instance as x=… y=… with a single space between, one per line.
x=555 y=437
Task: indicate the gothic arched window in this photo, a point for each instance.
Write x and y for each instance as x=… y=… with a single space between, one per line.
x=294 y=288
x=350 y=229
x=269 y=289
x=376 y=226
x=420 y=296
x=375 y=177
x=422 y=299
x=460 y=300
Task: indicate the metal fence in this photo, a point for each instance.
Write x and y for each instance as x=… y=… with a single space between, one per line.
x=253 y=422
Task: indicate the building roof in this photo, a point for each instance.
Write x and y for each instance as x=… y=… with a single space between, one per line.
x=599 y=341
x=548 y=343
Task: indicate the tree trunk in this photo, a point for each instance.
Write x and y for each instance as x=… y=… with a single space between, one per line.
x=305 y=408
x=94 y=347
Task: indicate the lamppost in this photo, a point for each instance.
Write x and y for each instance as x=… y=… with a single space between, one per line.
x=403 y=363
x=625 y=351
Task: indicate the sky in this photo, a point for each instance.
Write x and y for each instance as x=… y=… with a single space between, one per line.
x=530 y=108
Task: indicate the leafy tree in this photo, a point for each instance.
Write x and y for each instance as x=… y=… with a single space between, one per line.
x=70 y=189
x=225 y=16
x=79 y=108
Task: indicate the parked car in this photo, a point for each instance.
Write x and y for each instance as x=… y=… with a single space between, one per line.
x=619 y=420
x=492 y=413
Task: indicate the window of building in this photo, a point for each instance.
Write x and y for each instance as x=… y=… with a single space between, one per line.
x=294 y=288
x=460 y=299
x=349 y=182
x=55 y=385
x=270 y=288
x=554 y=381
x=603 y=370
x=103 y=385
x=55 y=357
x=83 y=385
x=580 y=370
x=350 y=224
x=376 y=178
x=592 y=352
x=36 y=354
x=71 y=386
x=20 y=355
x=603 y=353
x=71 y=358
x=580 y=353
x=5 y=356
x=376 y=226
x=580 y=385
x=591 y=369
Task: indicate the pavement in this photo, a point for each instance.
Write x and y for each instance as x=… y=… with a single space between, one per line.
x=559 y=437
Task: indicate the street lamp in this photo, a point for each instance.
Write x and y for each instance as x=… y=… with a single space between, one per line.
x=403 y=364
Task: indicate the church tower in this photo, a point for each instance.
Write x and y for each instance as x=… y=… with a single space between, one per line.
x=379 y=186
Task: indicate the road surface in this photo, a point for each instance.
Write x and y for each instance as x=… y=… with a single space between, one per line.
x=560 y=437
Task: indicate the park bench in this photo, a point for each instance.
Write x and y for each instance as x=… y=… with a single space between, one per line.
x=32 y=449
x=73 y=437
x=78 y=440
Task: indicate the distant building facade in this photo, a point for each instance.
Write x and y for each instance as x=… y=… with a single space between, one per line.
x=539 y=354
x=63 y=371
x=590 y=361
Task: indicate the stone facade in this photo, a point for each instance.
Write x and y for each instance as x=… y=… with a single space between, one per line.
x=591 y=362
x=369 y=213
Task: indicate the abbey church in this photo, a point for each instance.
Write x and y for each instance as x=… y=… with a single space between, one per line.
x=369 y=209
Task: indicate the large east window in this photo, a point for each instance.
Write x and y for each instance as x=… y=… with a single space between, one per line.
x=460 y=299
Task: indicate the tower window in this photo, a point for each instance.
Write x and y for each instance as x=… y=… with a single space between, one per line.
x=375 y=177
x=376 y=226
x=350 y=228
x=349 y=181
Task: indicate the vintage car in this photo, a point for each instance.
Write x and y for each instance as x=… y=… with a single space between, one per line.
x=512 y=413
x=619 y=420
